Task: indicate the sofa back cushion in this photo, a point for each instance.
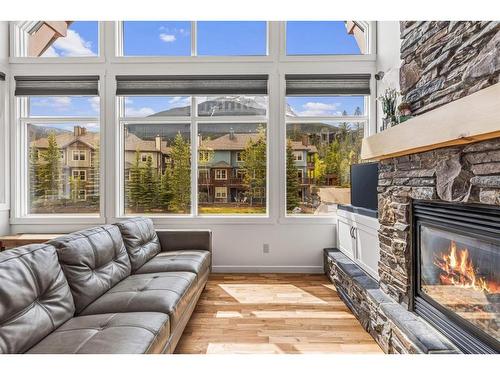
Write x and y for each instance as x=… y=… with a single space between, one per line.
x=140 y=240
x=35 y=298
x=93 y=260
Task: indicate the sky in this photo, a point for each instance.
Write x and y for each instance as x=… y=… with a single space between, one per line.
x=216 y=38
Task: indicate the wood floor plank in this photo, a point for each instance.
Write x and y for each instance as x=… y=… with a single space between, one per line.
x=273 y=313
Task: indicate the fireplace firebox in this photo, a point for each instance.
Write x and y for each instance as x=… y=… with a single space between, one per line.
x=456 y=272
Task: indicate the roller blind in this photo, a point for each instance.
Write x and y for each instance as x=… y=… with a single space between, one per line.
x=57 y=85
x=192 y=85
x=327 y=85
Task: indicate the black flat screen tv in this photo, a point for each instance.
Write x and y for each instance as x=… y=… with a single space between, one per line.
x=364 y=180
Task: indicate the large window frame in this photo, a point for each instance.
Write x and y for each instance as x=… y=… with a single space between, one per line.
x=194 y=120
x=119 y=48
x=18 y=46
x=108 y=65
x=20 y=156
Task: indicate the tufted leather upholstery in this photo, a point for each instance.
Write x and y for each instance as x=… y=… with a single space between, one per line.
x=196 y=261
x=140 y=239
x=127 y=333
x=35 y=298
x=169 y=293
x=93 y=260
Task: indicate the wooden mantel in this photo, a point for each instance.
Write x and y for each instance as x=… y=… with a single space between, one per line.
x=473 y=118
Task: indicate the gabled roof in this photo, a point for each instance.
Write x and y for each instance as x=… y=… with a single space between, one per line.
x=239 y=141
x=220 y=164
x=90 y=139
x=133 y=142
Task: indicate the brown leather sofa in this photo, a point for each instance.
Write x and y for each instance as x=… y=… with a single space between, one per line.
x=123 y=288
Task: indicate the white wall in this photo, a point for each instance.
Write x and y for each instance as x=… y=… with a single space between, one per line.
x=4 y=144
x=388 y=59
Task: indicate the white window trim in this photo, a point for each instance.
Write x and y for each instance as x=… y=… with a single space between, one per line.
x=79 y=153
x=79 y=171
x=220 y=174
x=221 y=192
x=19 y=154
x=108 y=65
x=298 y=156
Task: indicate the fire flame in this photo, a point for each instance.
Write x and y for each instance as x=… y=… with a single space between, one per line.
x=459 y=270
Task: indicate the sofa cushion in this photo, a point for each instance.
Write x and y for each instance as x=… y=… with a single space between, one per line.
x=140 y=239
x=126 y=333
x=35 y=297
x=169 y=293
x=196 y=261
x=93 y=260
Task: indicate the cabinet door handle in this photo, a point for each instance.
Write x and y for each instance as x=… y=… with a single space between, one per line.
x=350 y=232
x=353 y=232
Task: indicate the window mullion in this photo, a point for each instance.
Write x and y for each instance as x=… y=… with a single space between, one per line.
x=194 y=158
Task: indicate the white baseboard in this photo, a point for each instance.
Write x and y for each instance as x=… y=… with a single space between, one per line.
x=267 y=269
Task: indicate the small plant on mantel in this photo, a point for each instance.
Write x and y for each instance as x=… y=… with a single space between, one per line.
x=389 y=107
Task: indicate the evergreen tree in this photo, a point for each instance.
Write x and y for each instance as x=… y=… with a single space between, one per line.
x=36 y=175
x=165 y=194
x=134 y=190
x=292 y=179
x=147 y=185
x=181 y=175
x=75 y=185
x=254 y=164
x=50 y=169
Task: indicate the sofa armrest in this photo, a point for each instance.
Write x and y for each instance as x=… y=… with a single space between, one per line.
x=171 y=240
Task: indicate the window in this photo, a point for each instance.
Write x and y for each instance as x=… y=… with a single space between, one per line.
x=82 y=195
x=246 y=192
x=231 y=134
x=78 y=155
x=323 y=138
x=220 y=174
x=326 y=37
x=53 y=126
x=203 y=156
x=235 y=105
x=80 y=175
x=50 y=188
x=52 y=39
x=149 y=38
x=221 y=192
x=157 y=106
x=297 y=155
x=231 y=38
x=157 y=188
x=213 y=38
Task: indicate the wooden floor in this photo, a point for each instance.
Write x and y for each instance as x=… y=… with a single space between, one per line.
x=273 y=313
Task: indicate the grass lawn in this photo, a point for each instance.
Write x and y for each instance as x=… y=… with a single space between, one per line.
x=225 y=210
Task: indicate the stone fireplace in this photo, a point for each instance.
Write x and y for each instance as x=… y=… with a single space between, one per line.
x=438 y=284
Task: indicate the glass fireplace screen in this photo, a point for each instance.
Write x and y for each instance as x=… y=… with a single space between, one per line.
x=461 y=274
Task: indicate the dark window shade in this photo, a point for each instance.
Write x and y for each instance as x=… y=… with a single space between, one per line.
x=191 y=85
x=57 y=85
x=327 y=85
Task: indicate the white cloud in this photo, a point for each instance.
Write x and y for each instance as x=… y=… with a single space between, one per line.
x=95 y=103
x=59 y=103
x=70 y=46
x=50 y=52
x=139 y=112
x=167 y=38
x=318 y=109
